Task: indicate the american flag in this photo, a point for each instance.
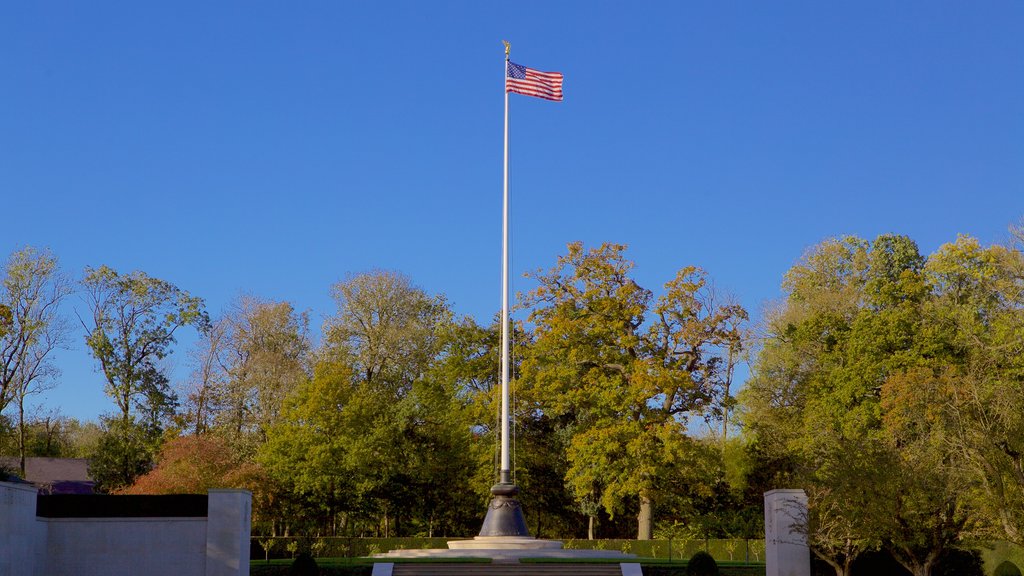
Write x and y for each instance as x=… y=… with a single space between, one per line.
x=530 y=82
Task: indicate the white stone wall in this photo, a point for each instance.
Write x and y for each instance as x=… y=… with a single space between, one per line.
x=145 y=546
x=214 y=546
x=20 y=540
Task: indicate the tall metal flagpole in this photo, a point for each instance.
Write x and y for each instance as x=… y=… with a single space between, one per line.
x=504 y=515
x=506 y=475
x=504 y=526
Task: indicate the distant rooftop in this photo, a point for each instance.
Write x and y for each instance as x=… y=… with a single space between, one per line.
x=54 y=475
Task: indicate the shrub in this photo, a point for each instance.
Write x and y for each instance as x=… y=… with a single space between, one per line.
x=958 y=562
x=317 y=547
x=1007 y=568
x=702 y=564
x=304 y=565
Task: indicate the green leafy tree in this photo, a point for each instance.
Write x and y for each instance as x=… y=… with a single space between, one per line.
x=470 y=363
x=125 y=451
x=133 y=319
x=389 y=332
x=131 y=327
x=441 y=454
x=31 y=289
x=82 y=437
x=382 y=431
x=966 y=390
x=845 y=501
x=307 y=448
x=45 y=435
x=627 y=369
x=851 y=322
x=540 y=467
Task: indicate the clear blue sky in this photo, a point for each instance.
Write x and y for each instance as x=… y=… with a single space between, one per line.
x=273 y=147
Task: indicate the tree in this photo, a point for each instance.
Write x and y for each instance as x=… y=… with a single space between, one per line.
x=845 y=500
x=125 y=451
x=206 y=388
x=31 y=290
x=6 y=320
x=388 y=326
x=262 y=352
x=391 y=335
x=34 y=377
x=628 y=371
x=45 y=435
x=930 y=509
x=131 y=328
x=470 y=364
x=307 y=448
x=244 y=365
x=194 y=465
x=133 y=319
x=826 y=390
x=82 y=437
x=967 y=393
x=380 y=433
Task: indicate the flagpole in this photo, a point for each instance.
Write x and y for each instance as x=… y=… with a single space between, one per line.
x=504 y=519
x=506 y=476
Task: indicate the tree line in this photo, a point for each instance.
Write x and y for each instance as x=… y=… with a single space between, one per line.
x=890 y=386
x=885 y=383
x=388 y=424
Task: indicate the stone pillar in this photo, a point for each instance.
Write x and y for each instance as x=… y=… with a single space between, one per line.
x=786 y=552
x=19 y=533
x=229 y=522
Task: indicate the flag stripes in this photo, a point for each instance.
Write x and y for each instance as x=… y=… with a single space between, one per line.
x=530 y=82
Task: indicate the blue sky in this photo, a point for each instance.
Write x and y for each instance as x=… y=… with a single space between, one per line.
x=271 y=148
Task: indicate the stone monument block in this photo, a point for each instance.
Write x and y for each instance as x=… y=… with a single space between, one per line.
x=786 y=552
x=227 y=533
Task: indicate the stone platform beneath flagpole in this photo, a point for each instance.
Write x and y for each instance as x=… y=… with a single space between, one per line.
x=505 y=543
x=506 y=549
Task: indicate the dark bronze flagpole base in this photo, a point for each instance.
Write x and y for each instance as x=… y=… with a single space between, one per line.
x=504 y=514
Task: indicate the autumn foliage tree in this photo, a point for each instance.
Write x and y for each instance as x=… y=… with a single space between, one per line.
x=194 y=465
x=630 y=370
x=962 y=401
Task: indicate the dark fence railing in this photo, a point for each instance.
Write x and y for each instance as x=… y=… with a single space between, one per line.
x=106 y=506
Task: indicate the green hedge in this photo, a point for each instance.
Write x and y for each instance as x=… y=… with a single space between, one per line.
x=258 y=569
x=735 y=550
x=327 y=567
x=723 y=569
x=342 y=547
x=722 y=550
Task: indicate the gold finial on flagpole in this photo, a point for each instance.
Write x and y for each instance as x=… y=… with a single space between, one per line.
x=507 y=48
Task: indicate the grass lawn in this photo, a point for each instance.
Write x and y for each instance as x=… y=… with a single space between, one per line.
x=659 y=567
x=348 y=566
